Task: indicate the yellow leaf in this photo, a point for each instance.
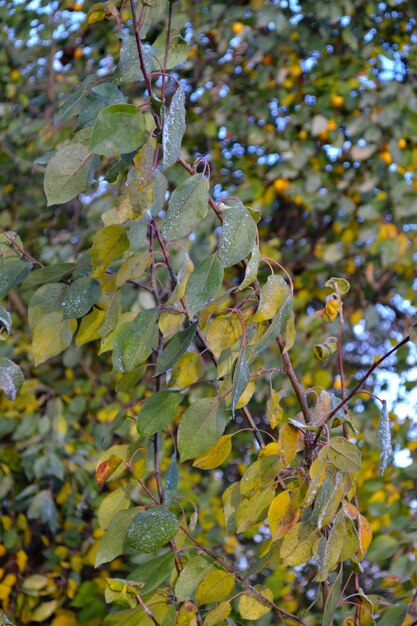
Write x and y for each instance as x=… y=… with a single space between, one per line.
x=274 y=410
x=217 y=585
x=365 y=533
x=187 y=370
x=216 y=455
x=349 y=510
x=21 y=560
x=251 y=607
x=288 y=441
x=218 y=614
x=90 y=324
x=331 y=310
x=66 y=618
x=271 y=449
x=222 y=332
x=282 y=515
x=272 y=297
x=170 y=322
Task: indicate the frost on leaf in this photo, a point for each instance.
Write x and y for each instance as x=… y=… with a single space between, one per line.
x=384 y=440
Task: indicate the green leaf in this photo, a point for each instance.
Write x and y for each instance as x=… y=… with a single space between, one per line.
x=238 y=235
x=252 y=267
x=115 y=501
x=128 y=69
x=173 y=129
x=152 y=529
x=52 y=335
x=339 y=285
x=119 y=129
x=157 y=412
x=80 y=296
x=133 y=341
x=175 y=348
x=241 y=377
x=384 y=440
x=190 y=577
x=98 y=98
x=186 y=208
x=200 y=427
x=67 y=173
x=204 y=283
x=112 y=543
x=344 y=455
x=154 y=572
x=13 y=271
x=171 y=480
x=109 y=243
x=333 y=600
x=382 y=547
x=50 y=274
x=5 y=323
x=394 y=616
x=11 y=378
x=73 y=104
x=46 y=299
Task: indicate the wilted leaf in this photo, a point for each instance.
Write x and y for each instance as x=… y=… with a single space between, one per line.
x=251 y=607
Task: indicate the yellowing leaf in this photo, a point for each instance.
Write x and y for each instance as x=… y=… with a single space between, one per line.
x=218 y=614
x=186 y=371
x=297 y=547
x=274 y=410
x=216 y=455
x=282 y=515
x=251 y=607
x=246 y=395
x=317 y=476
x=217 y=585
x=288 y=441
x=109 y=243
x=52 y=335
x=222 y=332
x=272 y=297
x=89 y=327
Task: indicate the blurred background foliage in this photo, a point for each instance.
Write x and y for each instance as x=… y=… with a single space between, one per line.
x=308 y=113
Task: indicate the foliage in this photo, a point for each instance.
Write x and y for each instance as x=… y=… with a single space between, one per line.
x=187 y=433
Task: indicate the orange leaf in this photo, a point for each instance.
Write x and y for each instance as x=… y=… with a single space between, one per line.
x=106 y=469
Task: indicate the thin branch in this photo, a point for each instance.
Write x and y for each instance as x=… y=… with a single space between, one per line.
x=142 y=64
x=248 y=587
x=365 y=377
x=298 y=390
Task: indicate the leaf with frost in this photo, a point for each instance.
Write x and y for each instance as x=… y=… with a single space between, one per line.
x=67 y=173
x=11 y=378
x=173 y=129
x=384 y=440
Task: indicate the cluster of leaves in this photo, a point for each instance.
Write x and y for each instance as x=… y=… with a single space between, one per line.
x=183 y=322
